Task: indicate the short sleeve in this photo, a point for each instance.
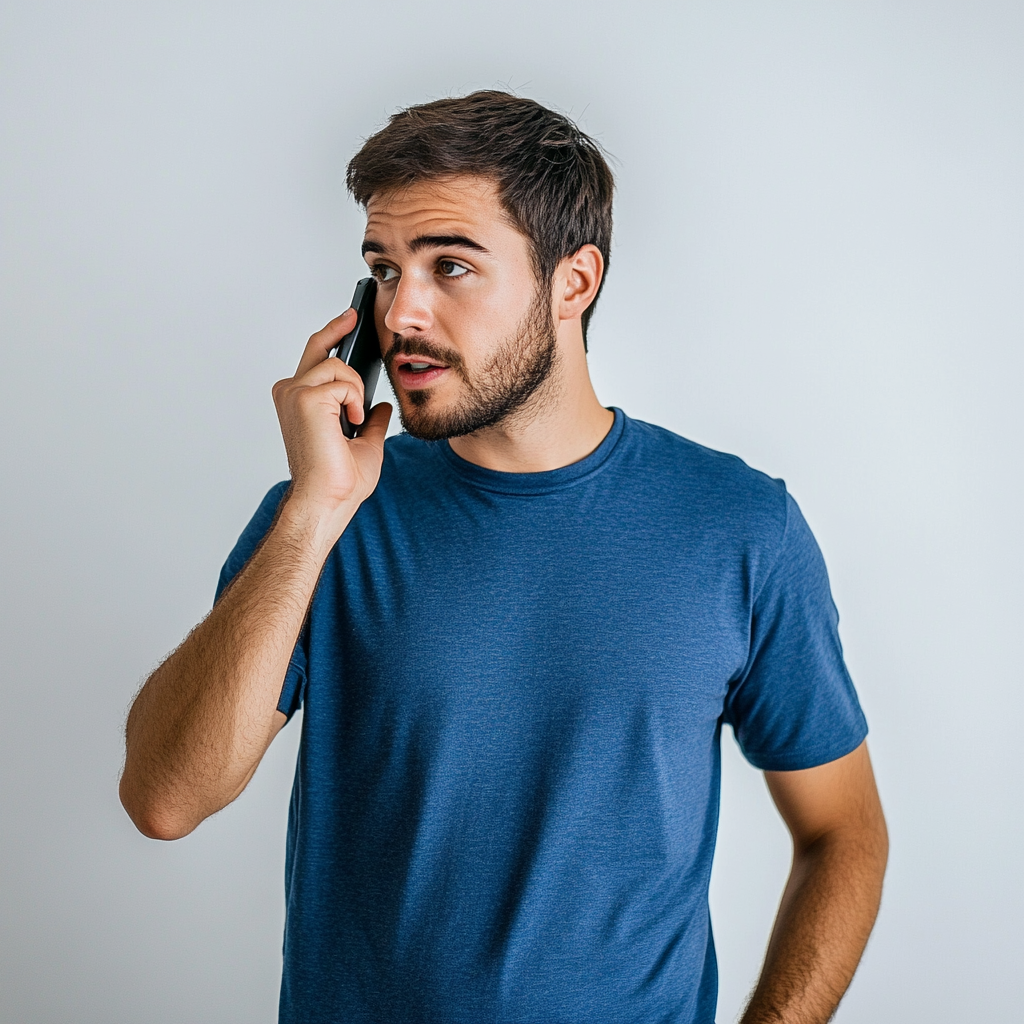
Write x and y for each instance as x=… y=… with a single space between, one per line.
x=794 y=706
x=294 y=686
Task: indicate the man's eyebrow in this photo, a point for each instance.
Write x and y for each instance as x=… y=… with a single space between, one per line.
x=444 y=242
x=430 y=242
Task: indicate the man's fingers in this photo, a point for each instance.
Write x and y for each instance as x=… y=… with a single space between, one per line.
x=334 y=394
x=329 y=371
x=326 y=371
x=335 y=371
x=319 y=346
x=375 y=428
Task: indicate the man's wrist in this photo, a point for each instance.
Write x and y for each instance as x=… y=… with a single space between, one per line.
x=314 y=525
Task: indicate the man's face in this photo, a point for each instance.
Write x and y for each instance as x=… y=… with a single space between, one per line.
x=467 y=335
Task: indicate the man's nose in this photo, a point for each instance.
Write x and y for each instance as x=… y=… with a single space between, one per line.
x=411 y=307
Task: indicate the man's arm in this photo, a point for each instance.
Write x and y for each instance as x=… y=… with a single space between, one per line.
x=840 y=848
x=204 y=719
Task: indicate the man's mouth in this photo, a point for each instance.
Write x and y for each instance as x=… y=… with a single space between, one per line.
x=417 y=372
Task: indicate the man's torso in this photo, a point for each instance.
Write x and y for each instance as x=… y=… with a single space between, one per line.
x=513 y=688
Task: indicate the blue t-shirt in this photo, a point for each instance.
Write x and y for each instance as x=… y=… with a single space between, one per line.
x=514 y=686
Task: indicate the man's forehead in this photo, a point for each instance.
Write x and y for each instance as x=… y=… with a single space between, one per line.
x=467 y=205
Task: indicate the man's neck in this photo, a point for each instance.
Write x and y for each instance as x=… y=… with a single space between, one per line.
x=561 y=424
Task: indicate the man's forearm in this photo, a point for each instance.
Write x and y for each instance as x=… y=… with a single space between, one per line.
x=204 y=719
x=823 y=924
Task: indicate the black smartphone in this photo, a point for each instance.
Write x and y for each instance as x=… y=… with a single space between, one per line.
x=360 y=348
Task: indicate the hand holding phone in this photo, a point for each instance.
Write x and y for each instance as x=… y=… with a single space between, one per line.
x=332 y=475
x=360 y=348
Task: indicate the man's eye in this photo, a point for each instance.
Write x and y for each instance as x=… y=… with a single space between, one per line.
x=384 y=273
x=449 y=268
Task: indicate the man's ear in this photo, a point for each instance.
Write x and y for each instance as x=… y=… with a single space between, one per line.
x=577 y=279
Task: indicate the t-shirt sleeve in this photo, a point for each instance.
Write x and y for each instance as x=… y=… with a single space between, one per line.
x=294 y=686
x=793 y=705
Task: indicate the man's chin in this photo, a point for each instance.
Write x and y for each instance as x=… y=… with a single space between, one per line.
x=421 y=418
x=426 y=418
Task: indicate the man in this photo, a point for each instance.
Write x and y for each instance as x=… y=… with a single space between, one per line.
x=516 y=631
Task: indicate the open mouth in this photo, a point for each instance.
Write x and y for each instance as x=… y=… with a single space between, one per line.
x=417 y=372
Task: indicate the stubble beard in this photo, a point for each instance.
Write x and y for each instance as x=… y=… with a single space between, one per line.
x=522 y=364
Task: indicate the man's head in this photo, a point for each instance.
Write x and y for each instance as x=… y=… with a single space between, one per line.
x=488 y=225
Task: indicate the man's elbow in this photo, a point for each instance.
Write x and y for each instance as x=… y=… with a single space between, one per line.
x=154 y=818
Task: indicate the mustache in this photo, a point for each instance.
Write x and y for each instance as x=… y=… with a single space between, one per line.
x=421 y=347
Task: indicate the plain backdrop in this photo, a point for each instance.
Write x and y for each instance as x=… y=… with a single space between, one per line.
x=817 y=265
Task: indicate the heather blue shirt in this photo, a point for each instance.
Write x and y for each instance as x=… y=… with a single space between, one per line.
x=514 y=686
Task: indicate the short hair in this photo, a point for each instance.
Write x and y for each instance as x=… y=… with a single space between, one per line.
x=553 y=180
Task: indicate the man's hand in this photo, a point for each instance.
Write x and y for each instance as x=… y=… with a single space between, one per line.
x=204 y=719
x=840 y=849
x=331 y=475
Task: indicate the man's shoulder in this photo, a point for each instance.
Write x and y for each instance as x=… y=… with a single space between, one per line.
x=705 y=475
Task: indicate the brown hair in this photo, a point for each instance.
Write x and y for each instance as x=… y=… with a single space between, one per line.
x=552 y=179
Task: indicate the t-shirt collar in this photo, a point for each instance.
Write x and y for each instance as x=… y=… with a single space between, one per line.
x=537 y=483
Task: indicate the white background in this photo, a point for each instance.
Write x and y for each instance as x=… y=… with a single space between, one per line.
x=817 y=265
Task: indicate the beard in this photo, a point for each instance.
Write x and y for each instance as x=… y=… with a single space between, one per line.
x=521 y=365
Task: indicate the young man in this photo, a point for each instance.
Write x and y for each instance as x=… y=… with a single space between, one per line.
x=516 y=631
